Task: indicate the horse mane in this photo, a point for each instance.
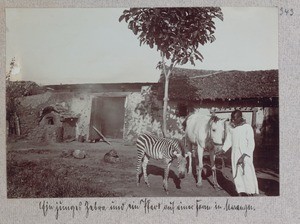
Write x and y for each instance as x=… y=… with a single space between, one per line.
x=213 y=119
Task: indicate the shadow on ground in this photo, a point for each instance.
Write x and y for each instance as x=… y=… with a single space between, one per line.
x=268 y=179
x=158 y=171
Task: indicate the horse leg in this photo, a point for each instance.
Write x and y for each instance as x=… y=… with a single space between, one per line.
x=200 y=165
x=145 y=162
x=212 y=157
x=223 y=163
x=166 y=175
x=190 y=163
x=189 y=146
x=141 y=155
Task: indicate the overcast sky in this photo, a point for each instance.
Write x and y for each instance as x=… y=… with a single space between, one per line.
x=54 y=46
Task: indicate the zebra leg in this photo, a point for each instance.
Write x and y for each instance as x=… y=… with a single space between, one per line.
x=145 y=162
x=212 y=157
x=166 y=176
x=200 y=165
x=141 y=155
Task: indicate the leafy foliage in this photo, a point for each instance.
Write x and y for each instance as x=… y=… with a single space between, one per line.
x=16 y=89
x=176 y=32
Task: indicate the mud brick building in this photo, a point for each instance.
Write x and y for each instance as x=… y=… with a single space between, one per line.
x=124 y=110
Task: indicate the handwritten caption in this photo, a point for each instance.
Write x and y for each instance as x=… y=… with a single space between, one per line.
x=145 y=205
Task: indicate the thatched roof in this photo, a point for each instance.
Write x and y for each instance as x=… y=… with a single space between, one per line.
x=191 y=84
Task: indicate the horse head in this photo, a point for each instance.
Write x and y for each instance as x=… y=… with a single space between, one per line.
x=217 y=129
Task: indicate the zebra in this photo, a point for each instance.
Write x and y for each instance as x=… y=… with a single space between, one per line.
x=150 y=146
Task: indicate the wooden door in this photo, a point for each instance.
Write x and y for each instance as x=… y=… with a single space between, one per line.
x=108 y=117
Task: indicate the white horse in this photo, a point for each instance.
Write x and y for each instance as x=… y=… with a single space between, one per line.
x=207 y=132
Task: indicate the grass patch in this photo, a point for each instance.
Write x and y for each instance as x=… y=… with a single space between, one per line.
x=51 y=178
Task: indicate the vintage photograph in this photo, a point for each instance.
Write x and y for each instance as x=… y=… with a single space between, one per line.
x=142 y=102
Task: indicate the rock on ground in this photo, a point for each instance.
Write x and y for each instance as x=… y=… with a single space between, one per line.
x=79 y=154
x=111 y=157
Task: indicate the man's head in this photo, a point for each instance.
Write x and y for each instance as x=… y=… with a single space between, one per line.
x=236 y=117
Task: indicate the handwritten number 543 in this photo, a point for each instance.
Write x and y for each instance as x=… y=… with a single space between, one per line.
x=287 y=12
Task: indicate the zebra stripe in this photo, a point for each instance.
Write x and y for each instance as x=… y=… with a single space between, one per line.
x=158 y=148
x=150 y=146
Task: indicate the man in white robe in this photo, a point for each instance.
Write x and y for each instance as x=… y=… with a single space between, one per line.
x=241 y=139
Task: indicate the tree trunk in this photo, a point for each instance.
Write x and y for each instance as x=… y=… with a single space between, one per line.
x=18 y=127
x=165 y=107
x=167 y=73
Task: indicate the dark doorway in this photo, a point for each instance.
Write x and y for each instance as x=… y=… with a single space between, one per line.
x=108 y=117
x=69 y=128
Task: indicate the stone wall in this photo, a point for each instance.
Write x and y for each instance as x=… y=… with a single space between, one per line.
x=29 y=110
x=48 y=130
x=82 y=105
x=142 y=114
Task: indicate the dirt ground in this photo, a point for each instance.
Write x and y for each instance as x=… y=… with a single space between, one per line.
x=43 y=170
